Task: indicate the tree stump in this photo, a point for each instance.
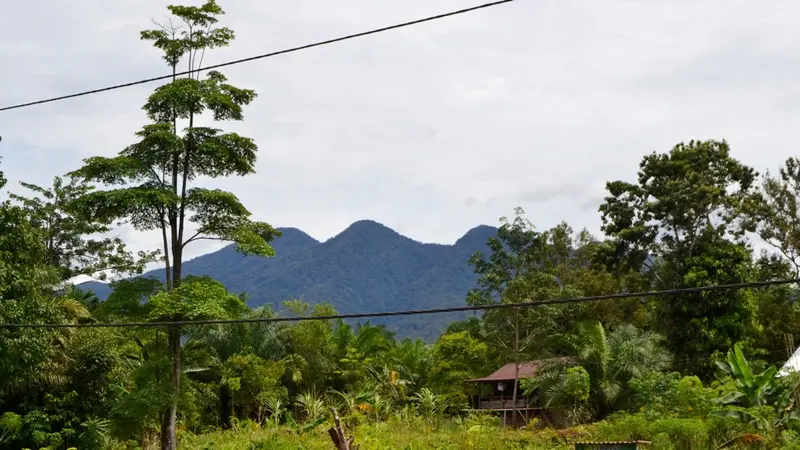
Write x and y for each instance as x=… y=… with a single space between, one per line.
x=340 y=440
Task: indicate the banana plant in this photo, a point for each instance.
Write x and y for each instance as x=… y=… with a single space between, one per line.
x=753 y=390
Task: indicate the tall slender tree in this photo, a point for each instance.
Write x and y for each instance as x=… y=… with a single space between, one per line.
x=152 y=183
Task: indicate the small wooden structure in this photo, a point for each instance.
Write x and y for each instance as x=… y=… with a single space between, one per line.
x=622 y=445
x=500 y=389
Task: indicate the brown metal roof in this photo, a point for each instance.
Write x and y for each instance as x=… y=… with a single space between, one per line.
x=506 y=373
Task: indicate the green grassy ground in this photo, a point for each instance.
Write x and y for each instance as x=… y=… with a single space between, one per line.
x=383 y=436
x=483 y=433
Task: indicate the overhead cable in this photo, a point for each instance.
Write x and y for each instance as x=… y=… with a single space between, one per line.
x=262 y=56
x=413 y=312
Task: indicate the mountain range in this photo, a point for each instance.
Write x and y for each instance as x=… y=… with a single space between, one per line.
x=368 y=267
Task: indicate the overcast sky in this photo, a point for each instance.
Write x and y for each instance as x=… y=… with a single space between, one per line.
x=431 y=129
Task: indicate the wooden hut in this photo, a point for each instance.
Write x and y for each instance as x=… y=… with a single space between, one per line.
x=497 y=393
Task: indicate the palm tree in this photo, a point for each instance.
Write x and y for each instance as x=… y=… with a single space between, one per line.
x=361 y=352
x=349 y=402
x=88 y=299
x=611 y=361
x=208 y=349
x=54 y=371
x=413 y=360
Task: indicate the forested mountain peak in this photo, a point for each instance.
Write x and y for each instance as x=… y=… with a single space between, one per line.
x=476 y=236
x=366 y=267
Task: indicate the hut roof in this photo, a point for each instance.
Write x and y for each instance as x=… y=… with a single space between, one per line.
x=526 y=370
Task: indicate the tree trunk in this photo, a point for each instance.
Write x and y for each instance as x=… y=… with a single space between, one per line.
x=514 y=396
x=169 y=439
x=224 y=407
x=177 y=265
x=167 y=267
x=516 y=369
x=503 y=405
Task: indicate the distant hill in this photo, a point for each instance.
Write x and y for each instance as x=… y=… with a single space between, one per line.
x=366 y=268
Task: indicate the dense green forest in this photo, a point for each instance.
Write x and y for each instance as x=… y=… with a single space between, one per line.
x=686 y=371
x=366 y=268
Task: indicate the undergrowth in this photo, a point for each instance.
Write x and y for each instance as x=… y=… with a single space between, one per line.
x=485 y=433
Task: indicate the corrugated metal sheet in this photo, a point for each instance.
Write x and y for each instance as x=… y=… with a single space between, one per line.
x=792 y=365
x=506 y=373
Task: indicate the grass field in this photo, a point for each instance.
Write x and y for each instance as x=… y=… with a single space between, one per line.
x=483 y=433
x=414 y=435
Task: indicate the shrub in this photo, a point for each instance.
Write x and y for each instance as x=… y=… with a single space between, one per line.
x=683 y=433
x=671 y=395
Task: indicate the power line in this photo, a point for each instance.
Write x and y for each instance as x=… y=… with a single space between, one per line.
x=412 y=312
x=266 y=55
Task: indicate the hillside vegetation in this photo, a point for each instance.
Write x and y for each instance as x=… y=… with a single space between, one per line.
x=366 y=268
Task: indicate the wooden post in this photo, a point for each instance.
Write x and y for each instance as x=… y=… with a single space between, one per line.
x=516 y=368
x=790 y=349
x=338 y=437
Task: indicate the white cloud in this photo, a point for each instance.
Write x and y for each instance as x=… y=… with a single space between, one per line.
x=431 y=129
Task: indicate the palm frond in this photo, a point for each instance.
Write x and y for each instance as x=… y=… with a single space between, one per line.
x=72 y=308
